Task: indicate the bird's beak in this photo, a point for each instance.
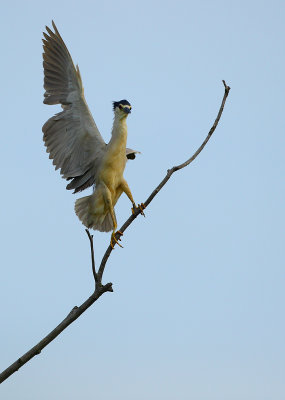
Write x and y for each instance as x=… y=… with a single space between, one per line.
x=127 y=110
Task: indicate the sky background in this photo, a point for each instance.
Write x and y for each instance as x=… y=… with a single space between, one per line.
x=198 y=305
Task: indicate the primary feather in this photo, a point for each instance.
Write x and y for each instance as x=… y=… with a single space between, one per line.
x=71 y=136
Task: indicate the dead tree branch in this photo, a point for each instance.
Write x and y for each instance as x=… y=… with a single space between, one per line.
x=99 y=287
x=92 y=256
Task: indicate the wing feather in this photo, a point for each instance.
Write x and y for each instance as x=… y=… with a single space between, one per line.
x=72 y=138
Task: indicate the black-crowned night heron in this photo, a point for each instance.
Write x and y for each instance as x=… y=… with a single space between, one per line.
x=75 y=144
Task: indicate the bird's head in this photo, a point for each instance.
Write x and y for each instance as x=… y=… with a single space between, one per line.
x=122 y=108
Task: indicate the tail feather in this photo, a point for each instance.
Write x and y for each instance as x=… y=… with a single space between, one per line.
x=86 y=212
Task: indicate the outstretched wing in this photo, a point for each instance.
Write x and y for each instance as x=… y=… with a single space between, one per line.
x=71 y=136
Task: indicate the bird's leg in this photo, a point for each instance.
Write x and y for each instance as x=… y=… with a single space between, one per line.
x=113 y=238
x=127 y=190
x=109 y=204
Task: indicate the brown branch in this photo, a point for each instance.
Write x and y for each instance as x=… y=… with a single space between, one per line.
x=72 y=316
x=92 y=255
x=99 y=288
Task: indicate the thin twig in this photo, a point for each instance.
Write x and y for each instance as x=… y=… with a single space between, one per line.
x=99 y=288
x=211 y=131
x=92 y=255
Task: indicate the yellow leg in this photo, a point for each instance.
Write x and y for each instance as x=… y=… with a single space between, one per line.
x=127 y=190
x=109 y=204
x=113 y=239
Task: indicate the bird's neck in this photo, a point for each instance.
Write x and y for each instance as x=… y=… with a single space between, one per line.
x=119 y=132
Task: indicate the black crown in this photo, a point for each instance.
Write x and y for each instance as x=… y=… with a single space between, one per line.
x=122 y=102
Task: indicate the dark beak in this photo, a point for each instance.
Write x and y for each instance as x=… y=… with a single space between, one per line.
x=127 y=110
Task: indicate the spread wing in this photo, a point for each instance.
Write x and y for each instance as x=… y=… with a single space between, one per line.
x=71 y=136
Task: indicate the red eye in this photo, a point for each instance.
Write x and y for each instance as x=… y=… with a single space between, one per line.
x=120 y=106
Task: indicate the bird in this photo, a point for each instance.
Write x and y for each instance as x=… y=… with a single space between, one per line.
x=76 y=146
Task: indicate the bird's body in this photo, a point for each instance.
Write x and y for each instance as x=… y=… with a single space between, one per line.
x=75 y=143
x=109 y=183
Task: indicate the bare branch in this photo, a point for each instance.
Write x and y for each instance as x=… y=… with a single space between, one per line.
x=72 y=316
x=92 y=255
x=211 y=131
x=99 y=288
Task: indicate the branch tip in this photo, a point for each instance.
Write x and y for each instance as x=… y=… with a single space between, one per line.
x=227 y=88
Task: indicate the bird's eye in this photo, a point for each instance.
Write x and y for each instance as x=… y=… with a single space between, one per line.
x=120 y=106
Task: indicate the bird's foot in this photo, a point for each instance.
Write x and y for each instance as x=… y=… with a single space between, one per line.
x=114 y=239
x=141 y=207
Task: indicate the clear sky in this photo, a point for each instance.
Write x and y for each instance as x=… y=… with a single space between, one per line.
x=198 y=305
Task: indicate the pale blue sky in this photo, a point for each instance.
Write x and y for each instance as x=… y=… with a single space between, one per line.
x=198 y=305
